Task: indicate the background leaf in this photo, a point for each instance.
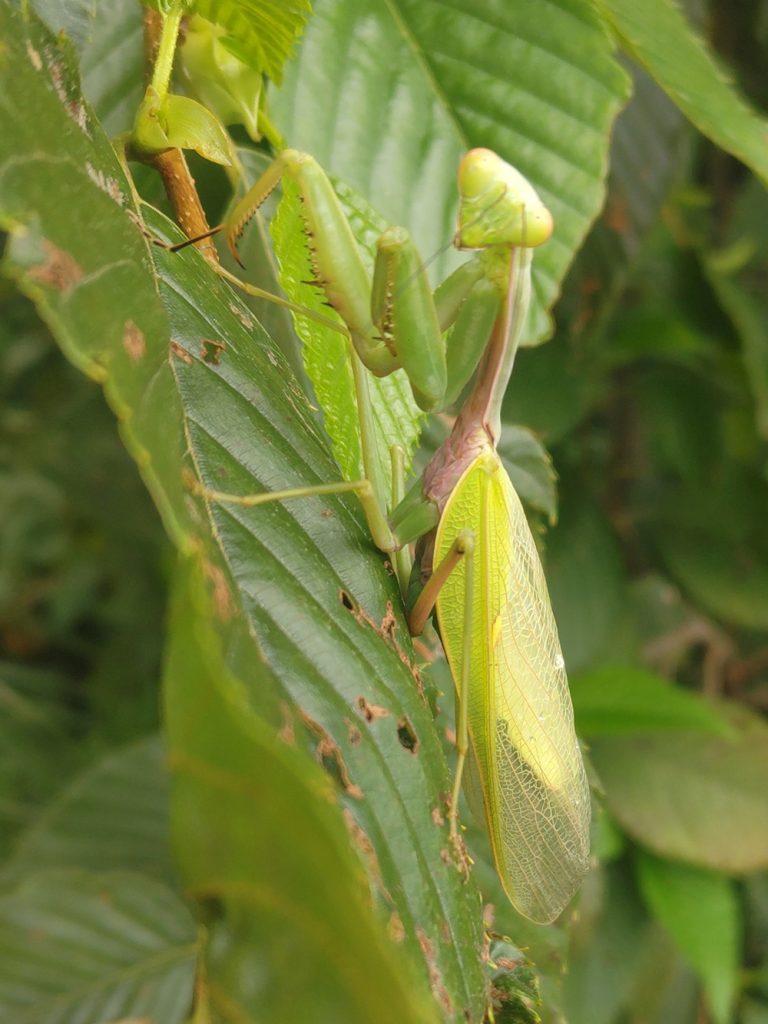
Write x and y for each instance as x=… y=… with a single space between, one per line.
x=658 y=37
x=700 y=911
x=77 y=948
x=543 y=96
x=114 y=816
x=617 y=699
x=689 y=795
x=261 y=32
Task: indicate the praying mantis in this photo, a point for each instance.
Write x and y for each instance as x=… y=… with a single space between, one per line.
x=518 y=757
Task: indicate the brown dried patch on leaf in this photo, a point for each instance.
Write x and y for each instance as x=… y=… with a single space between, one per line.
x=460 y=854
x=34 y=57
x=388 y=626
x=107 y=185
x=436 y=982
x=133 y=341
x=387 y=629
x=371 y=711
x=489 y=915
x=362 y=842
x=222 y=596
x=445 y=932
x=241 y=315
x=59 y=269
x=286 y=732
x=73 y=107
x=329 y=753
x=355 y=736
x=210 y=351
x=181 y=353
x=395 y=928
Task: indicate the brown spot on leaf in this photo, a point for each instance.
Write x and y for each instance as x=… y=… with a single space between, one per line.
x=436 y=982
x=329 y=753
x=346 y=600
x=222 y=597
x=371 y=711
x=362 y=841
x=211 y=350
x=395 y=928
x=133 y=341
x=109 y=186
x=489 y=913
x=355 y=736
x=388 y=626
x=59 y=269
x=286 y=732
x=386 y=630
x=437 y=816
x=34 y=57
x=241 y=315
x=181 y=353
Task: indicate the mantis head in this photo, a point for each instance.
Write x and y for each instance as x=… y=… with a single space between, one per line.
x=498 y=206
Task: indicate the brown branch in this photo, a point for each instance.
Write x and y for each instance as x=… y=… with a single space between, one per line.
x=172 y=165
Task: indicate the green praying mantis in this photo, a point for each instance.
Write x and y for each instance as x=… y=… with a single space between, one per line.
x=518 y=758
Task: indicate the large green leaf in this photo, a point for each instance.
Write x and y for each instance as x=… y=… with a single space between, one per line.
x=691 y=796
x=77 y=253
x=317 y=598
x=658 y=37
x=249 y=806
x=77 y=948
x=700 y=911
x=535 y=81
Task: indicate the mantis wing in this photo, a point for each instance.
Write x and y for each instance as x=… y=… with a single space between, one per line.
x=525 y=751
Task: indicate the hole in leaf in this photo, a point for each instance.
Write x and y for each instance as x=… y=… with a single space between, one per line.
x=407 y=736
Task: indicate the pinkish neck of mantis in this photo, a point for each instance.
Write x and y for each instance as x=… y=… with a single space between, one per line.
x=478 y=424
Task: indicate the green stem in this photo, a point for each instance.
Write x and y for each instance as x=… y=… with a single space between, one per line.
x=166 y=49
